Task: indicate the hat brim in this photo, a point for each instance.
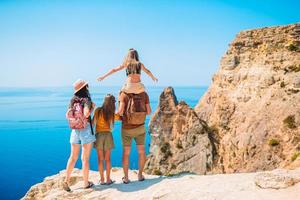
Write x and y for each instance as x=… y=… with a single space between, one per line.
x=80 y=87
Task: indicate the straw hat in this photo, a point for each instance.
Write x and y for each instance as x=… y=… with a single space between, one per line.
x=79 y=84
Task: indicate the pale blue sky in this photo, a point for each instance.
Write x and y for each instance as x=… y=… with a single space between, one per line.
x=52 y=43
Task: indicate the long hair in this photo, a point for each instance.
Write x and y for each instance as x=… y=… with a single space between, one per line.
x=132 y=58
x=108 y=108
x=84 y=93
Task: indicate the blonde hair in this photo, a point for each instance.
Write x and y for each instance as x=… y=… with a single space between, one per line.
x=131 y=58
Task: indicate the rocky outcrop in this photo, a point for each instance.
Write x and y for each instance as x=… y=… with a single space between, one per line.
x=248 y=120
x=277 y=179
x=253 y=103
x=180 y=140
x=185 y=186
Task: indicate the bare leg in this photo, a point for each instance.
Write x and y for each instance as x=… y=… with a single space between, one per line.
x=108 y=165
x=75 y=150
x=125 y=160
x=142 y=160
x=100 y=164
x=85 y=158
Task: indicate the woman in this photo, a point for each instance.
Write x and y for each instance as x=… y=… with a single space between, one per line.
x=83 y=136
x=133 y=68
x=104 y=118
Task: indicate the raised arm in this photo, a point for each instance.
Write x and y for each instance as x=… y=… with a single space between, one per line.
x=148 y=72
x=110 y=72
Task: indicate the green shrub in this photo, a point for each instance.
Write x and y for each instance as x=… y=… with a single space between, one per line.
x=282 y=84
x=294 y=68
x=157 y=172
x=295 y=156
x=165 y=147
x=167 y=155
x=173 y=166
x=292 y=47
x=179 y=145
x=289 y=121
x=273 y=142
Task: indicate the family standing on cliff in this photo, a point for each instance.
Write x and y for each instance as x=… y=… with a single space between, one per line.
x=133 y=107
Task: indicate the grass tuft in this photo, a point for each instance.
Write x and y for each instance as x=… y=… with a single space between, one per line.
x=273 y=142
x=289 y=121
x=295 y=156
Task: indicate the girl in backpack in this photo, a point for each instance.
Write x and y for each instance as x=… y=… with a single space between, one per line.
x=104 y=118
x=133 y=68
x=78 y=114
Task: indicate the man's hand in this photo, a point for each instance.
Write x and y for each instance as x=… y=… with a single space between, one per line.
x=101 y=78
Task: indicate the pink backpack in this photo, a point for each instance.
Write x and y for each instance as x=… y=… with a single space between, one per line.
x=75 y=115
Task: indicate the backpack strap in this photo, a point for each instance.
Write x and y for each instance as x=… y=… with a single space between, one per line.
x=83 y=101
x=90 y=120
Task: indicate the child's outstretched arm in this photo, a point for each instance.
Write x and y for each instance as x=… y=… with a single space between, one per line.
x=148 y=72
x=110 y=72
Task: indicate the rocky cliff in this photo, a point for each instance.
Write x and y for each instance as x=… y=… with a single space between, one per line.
x=274 y=185
x=249 y=118
x=180 y=140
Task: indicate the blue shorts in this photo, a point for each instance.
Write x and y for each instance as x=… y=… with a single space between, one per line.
x=82 y=136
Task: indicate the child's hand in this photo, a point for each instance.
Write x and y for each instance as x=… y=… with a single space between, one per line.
x=101 y=78
x=154 y=79
x=117 y=117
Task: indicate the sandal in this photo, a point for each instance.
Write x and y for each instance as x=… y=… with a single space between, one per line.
x=142 y=179
x=102 y=183
x=110 y=182
x=91 y=184
x=124 y=180
x=66 y=187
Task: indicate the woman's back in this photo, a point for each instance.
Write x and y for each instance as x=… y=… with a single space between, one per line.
x=133 y=72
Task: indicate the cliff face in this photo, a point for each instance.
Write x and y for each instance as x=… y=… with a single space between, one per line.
x=249 y=118
x=253 y=102
x=179 y=139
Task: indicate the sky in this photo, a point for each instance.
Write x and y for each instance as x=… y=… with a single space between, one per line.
x=52 y=43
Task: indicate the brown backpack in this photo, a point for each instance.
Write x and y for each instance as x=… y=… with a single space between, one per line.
x=136 y=111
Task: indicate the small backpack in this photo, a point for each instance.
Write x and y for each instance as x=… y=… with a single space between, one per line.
x=136 y=110
x=75 y=115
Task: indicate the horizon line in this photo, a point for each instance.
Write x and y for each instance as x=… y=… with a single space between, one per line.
x=67 y=86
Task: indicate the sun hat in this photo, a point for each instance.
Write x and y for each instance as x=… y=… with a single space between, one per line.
x=79 y=84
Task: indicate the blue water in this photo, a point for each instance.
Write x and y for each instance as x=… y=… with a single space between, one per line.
x=34 y=134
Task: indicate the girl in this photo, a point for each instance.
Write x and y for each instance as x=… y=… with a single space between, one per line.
x=133 y=68
x=104 y=118
x=82 y=136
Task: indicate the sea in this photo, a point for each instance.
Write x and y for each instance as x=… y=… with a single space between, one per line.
x=34 y=133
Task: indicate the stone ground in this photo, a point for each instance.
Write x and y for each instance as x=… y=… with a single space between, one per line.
x=246 y=186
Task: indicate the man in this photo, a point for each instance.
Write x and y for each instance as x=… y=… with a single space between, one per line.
x=133 y=109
